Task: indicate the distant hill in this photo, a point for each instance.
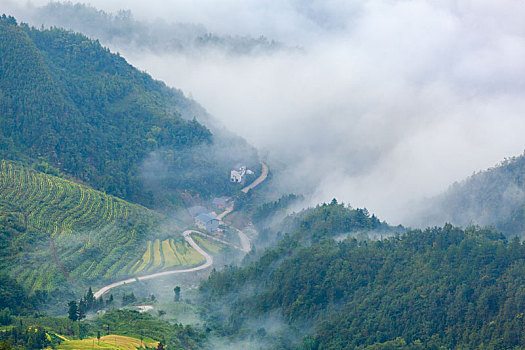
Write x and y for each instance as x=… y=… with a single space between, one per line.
x=492 y=197
x=124 y=31
x=67 y=101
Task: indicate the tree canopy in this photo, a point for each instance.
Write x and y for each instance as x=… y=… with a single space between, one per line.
x=451 y=287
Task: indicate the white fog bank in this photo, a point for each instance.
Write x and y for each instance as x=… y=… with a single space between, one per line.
x=386 y=102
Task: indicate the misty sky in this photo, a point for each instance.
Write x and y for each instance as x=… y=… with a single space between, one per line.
x=387 y=101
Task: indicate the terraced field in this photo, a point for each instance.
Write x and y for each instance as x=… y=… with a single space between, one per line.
x=69 y=206
x=161 y=255
x=70 y=231
x=210 y=246
x=117 y=342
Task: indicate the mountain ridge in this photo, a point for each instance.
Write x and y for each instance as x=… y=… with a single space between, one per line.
x=70 y=102
x=493 y=197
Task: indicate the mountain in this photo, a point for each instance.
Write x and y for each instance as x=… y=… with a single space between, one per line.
x=238 y=297
x=438 y=288
x=88 y=146
x=67 y=101
x=493 y=197
x=124 y=31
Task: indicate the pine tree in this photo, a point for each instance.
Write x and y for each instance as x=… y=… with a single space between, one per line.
x=176 y=290
x=81 y=309
x=90 y=300
x=110 y=300
x=73 y=310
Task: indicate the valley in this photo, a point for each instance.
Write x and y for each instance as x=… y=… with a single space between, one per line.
x=160 y=254
x=133 y=217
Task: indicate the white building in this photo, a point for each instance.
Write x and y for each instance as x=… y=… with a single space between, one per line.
x=238 y=175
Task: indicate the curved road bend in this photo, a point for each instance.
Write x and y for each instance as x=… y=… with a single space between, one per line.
x=186 y=234
x=245 y=246
x=257 y=181
x=226 y=212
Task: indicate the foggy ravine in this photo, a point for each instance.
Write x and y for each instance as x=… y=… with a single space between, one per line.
x=386 y=103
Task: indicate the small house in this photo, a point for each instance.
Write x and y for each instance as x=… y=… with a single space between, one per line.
x=208 y=222
x=238 y=175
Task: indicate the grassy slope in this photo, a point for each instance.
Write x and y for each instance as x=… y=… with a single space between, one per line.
x=170 y=253
x=126 y=328
x=208 y=244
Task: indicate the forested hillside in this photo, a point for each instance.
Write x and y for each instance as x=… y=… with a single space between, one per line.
x=423 y=289
x=492 y=197
x=66 y=100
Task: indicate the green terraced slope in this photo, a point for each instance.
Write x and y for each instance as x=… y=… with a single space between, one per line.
x=54 y=230
x=170 y=253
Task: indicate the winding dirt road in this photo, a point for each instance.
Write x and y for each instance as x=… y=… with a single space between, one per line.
x=187 y=237
x=244 y=240
x=257 y=181
x=226 y=212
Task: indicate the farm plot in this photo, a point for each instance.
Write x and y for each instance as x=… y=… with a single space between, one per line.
x=91 y=234
x=110 y=341
x=161 y=255
x=209 y=245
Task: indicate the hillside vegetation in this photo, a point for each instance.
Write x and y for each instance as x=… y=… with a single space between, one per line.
x=442 y=287
x=13 y=299
x=118 y=329
x=492 y=197
x=69 y=102
x=55 y=230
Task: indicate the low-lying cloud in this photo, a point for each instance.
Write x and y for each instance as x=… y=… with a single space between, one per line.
x=386 y=102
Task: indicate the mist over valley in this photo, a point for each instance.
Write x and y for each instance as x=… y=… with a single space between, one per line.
x=367 y=106
x=262 y=175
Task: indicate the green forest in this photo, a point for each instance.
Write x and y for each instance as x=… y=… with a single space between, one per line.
x=495 y=196
x=69 y=102
x=87 y=144
x=441 y=287
x=100 y=165
x=125 y=29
